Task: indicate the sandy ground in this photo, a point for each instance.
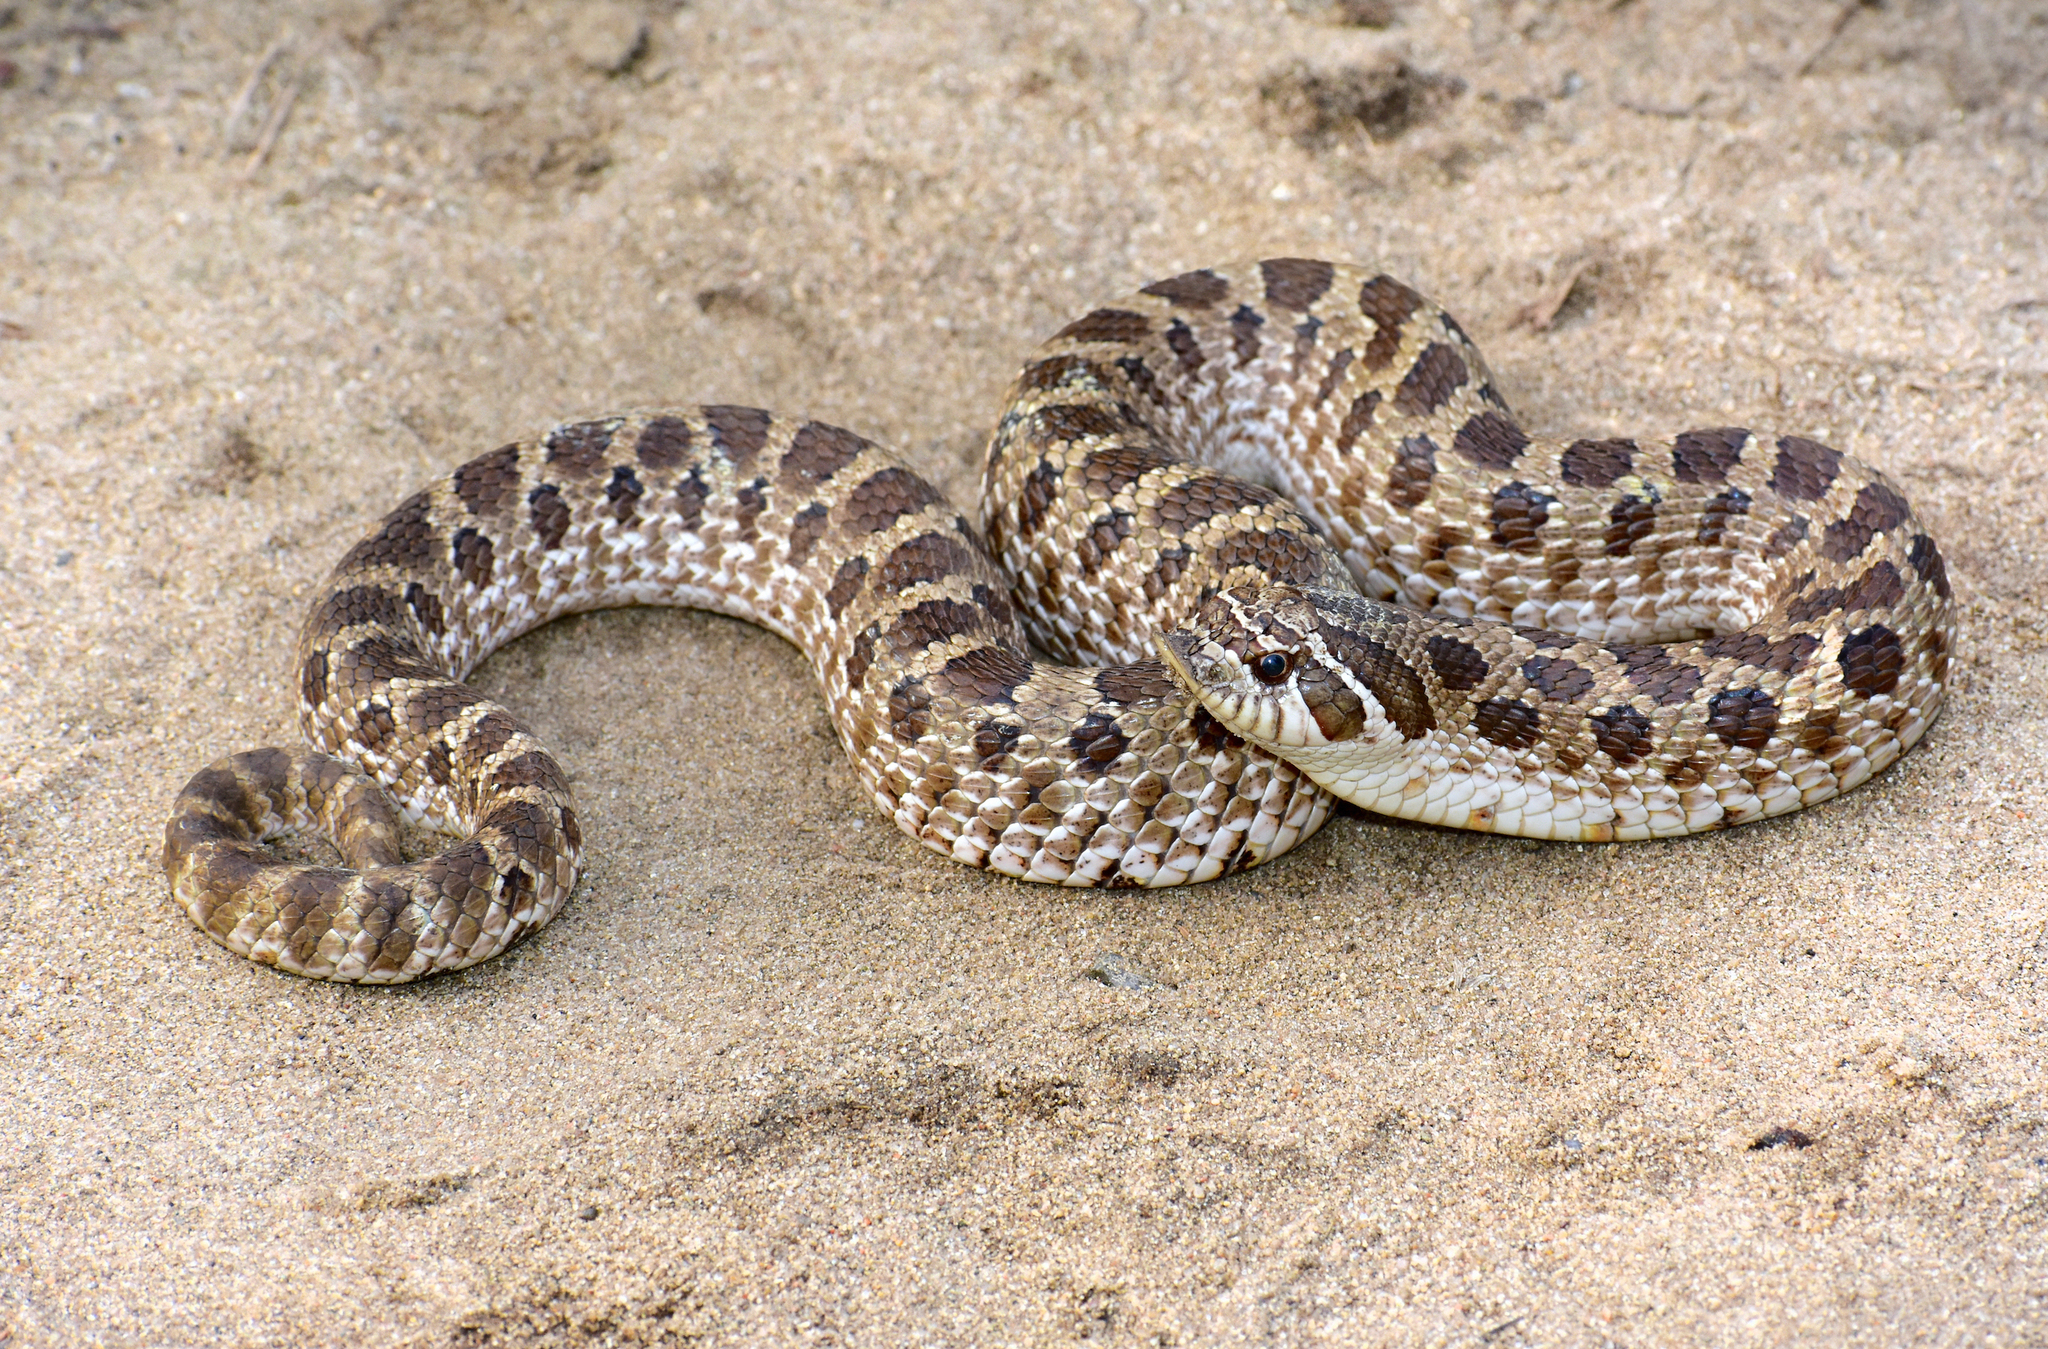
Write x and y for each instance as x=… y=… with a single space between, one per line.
x=779 y=1076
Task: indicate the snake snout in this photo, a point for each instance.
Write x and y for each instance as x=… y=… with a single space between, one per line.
x=1197 y=660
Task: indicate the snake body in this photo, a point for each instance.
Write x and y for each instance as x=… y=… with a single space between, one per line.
x=1253 y=536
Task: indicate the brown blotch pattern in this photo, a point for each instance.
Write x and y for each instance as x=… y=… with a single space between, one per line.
x=1458 y=665
x=1186 y=349
x=354 y=607
x=926 y=558
x=1208 y=495
x=1819 y=731
x=1244 y=333
x=996 y=600
x=1388 y=304
x=663 y=443
x=936 y=620
x=1597 y=463
x=1339 y=713
x=1066 y=371
x=1513 y=725
x=1358 y=420
x=1812 y=604
x=815 y=453
x=1706 y=456
x=1142 y=379
x=1097 y=743
x=1880 y=586
x=1934 y=644
x=1714 y=519
x=1926 y=560
x=426 y=608
x=805 y=530
x=1872 y=661
x=861 y=658
x=1743 y=718
x=691 y=493
x=1110 y=471
x=578 y=448
x=1107 y=325
x=1296 y=283
x=1041 y=489
x=910 y=706
x=1103 y=536
x=993 y=740
x=1281 y=554
x=1333 y=375
x=622 y=494
x=1632 y=519
x=1623 y=734
x=1665 y=682
x=987 y=675
x=748 y=503
x=487 y=483
x=1877 y=510
x=1519 y=514
x=1490 y=440
x=1785 y=538
x=1078 y=421
x=846 y=586
x=1805 y=468
x=882 y=499
x=1414 y=469
x=738 y=432
x=1558 y=679
x=549 y=514
x=1780 y=655
x=1398 y=688
x=473 y=556
x=1191 y=290
x=1438 y=373
x=1166 y=572
x=404 y=541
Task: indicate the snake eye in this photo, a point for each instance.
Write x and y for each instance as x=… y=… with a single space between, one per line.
x=1272 y=667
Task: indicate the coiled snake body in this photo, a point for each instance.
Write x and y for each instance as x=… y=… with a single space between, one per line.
x=1278 y=534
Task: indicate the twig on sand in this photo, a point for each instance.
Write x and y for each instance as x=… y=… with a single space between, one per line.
x=1653 y=110
x=271 y=126
x=1542 y=311
x=240 y=103
x=1842 y=17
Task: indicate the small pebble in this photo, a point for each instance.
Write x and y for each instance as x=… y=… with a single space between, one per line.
x=607 y=37
x=1114 y=971
x=1782 y=1138
x=587 y=1212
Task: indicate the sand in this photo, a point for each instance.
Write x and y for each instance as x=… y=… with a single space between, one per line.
x=777 y=1075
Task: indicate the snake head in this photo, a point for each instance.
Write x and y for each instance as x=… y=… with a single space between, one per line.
x=1297 y=667
x=1251 y=657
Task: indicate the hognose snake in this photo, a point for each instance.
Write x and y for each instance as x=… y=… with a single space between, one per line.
x=1253 y=536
